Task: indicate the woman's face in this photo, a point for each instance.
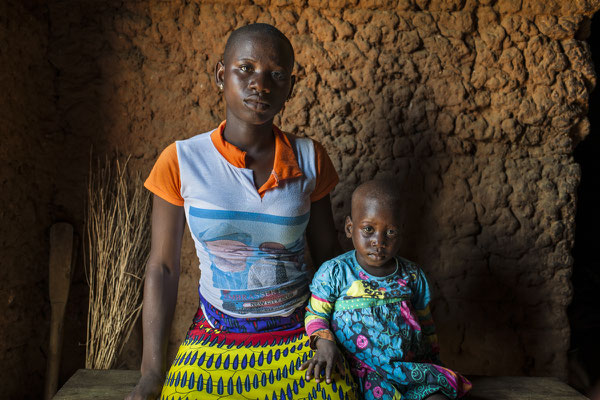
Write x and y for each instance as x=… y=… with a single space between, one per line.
x=257 y=78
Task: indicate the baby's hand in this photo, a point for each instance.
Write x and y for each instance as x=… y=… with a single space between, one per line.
x=327 y=355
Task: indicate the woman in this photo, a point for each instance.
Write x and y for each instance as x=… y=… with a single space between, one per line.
x=249 y=193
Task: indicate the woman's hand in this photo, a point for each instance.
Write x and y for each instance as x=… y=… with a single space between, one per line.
x=148 y=388
x=160 y=296
x=327 y=355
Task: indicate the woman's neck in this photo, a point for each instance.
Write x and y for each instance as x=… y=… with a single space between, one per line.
x=248 y=137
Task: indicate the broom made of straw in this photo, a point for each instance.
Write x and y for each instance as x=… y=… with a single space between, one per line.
x=118 y=240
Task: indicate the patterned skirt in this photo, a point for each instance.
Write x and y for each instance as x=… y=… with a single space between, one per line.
x=213 y=364
x=417 y=381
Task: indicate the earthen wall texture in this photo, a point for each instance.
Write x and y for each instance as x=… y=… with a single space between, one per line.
x=474 y=106
x=26 y=124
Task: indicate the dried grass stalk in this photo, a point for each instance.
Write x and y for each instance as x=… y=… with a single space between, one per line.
x=118 y=240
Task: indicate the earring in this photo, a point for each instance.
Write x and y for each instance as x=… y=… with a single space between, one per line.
x=221 y=86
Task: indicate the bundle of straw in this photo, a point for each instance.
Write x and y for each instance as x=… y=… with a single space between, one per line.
x=118 y=240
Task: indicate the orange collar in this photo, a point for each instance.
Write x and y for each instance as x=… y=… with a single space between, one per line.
x=285 y=165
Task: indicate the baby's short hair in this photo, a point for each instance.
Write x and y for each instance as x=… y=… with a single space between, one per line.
x=255 y=29
x=383 y=190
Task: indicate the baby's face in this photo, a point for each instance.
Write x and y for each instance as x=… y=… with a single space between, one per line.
x=374 y=230
x=257 y=78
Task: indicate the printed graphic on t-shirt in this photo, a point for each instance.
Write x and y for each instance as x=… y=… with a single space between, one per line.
x=256 y=261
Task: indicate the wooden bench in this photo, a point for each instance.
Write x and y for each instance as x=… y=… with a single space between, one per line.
x=116 y=384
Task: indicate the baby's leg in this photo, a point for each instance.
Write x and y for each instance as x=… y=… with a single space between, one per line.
x=436 y=396
x=373 y=387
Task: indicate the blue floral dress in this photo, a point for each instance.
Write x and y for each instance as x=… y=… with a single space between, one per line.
x=385 y=328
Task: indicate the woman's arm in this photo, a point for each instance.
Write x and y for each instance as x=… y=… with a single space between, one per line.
x=160 y=295
x=321 y=234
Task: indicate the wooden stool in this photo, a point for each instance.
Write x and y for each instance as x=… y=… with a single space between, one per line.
x=116 y=384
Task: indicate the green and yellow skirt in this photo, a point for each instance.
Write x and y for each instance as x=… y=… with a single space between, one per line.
x=214 y=364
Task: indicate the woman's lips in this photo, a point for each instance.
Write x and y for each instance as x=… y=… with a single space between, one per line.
x=256 y=105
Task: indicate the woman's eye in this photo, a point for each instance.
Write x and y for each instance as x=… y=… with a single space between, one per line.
x=278 y=75
x=245 y=68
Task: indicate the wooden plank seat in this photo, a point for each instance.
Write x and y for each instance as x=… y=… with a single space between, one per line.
x=116 y=384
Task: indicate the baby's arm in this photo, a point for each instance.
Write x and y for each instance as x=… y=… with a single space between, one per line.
x=420 y=301
x=318 y=315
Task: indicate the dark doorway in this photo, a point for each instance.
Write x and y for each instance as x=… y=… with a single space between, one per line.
x=584 y=312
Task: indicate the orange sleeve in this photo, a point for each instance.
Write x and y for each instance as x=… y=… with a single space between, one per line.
x=164 y=180
x=327 y=178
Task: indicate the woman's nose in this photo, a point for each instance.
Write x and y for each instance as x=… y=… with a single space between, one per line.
x=260 y=82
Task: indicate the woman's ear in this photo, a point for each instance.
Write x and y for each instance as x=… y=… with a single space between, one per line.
x=348 y=227
x=219 y=74
x=293 y=82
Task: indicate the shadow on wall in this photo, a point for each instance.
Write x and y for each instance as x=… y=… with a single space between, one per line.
x=478 y=120
x=475 y=235
x=584 y=373
x=81 y=114
x=36 y=151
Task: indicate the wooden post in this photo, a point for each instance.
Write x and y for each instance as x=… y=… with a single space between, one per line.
x=60 y=267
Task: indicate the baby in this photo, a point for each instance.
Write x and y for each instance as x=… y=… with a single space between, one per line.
x=375 y=304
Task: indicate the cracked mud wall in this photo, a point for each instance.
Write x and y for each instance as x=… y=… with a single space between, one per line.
x=27 y=122
x=475 y=107
x=38 y=188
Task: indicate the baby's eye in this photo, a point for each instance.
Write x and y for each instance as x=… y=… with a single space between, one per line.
x=367 y=229
x=245 y=68
x=391 y=233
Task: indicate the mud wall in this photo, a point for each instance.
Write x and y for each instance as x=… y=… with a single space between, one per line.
x=475 y=107
x=27 y=124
